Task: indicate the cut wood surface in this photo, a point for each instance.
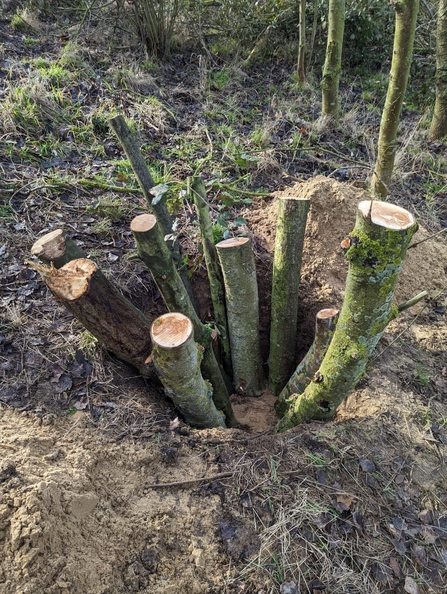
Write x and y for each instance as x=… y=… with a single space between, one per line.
x=153 y=251
x=325 y=322
x=242 y=302
x=375 y=250
x=177 y=360
x=119 y=326
x=289 y=243
x=56 y=248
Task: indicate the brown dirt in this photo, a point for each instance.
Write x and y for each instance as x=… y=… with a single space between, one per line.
x=357 y=505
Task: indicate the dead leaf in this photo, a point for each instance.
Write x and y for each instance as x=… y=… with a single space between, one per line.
x=411 y=586
x=394 y=564
x=346 y=500
x=173 y=424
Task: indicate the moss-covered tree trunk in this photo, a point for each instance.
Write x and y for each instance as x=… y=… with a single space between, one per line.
x=212 y=265
x=302 y=42
x=325 y=322
x=177 y=360
x=56 y=248
x=377 y=247
x=332 y=64
x=438 y=128
x=289 y=242
x=406 y=15
x=154 y=252
x=241 y=297
x=119 y=326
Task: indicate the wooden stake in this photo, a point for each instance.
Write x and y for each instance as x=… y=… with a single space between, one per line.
x=154 y=252
x=289 y=243
x=325 y=322
x=177 y=360
x=241 y=297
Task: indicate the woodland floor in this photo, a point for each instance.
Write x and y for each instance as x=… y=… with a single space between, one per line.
x=353 y=506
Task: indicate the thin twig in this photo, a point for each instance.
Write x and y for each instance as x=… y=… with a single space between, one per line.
x=427 y=238
x=187 y=482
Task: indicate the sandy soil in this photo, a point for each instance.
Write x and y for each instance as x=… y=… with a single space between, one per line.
x=351 y=506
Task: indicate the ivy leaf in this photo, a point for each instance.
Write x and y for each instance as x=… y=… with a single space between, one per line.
x=239 y=222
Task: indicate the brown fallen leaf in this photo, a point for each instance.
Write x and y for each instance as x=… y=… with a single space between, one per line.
x=394 y=564
x=411 y=586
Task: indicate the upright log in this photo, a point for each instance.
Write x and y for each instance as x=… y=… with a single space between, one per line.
x=154 y=252
x=119 y=326
x=241 y=297
x=56 y=248
x=177 y=360
x=212 y=265
x=325 y=322
x=375 y=249
x=289 y=242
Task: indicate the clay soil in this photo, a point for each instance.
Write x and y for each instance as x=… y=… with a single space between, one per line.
x=104 y=490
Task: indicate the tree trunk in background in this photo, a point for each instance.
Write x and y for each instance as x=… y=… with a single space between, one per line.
x=119 y=326
x=406 y=15
x=154 y=252
x=212 y=265
x=325 y=322
x=289 y=242
x=302 y=42
x=177 y=360
x=378 y=245
x=332 y=64
x=438 y=127
x=55 y=247
x=241 y=296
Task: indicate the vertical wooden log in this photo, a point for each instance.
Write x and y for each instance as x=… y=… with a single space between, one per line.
x=177 y=360
x=241 y=297
x=212 y=265
x=375 y=249
x=289 y=242
x=325 y=322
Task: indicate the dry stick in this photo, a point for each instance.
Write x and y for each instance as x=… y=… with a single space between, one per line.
x=325 y=322
x=289 y=243
x=212 y=265
x=120 y=327
x=213 y=477
x=375 y=249
x=177 y=360
x=241 y=297
x=57 y=248
x=154 y=252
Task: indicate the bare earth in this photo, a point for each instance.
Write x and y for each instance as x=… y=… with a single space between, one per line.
x=352 y=506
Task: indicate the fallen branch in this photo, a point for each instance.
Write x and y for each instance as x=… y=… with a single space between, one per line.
x=207 y=479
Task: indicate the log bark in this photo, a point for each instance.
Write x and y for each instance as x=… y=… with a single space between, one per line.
x=56 y=248
x=289 y=243
x=325 y=322
x=241 y=297
x=406 y=15
x=302 y=42
x=332 y=63
x=154 y=252
x=438 y=128
x=119 y=326
x=377 y=247
x=177 y=360
x=212 y=265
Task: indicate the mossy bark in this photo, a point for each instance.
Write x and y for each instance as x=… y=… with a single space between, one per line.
x=177 y=360
x=326 y=320
x=406 y=15
x=154 y=252
x=212 y=265
x=119 y=326
x=289 y=242
x=438 y=128
x=377 y=247
x=56 y=248
x=301 y=42
x=332 y=64
x=241 y=297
